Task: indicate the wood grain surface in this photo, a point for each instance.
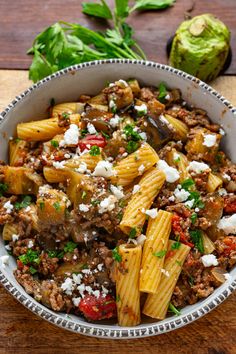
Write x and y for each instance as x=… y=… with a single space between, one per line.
x=22 y=20
x=22 y=332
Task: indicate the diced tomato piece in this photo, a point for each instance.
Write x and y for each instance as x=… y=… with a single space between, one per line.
x=95 y=309
x=178 y=231
x=231 y=243
x=230 y=206
x=20 y=265
x=91 y=140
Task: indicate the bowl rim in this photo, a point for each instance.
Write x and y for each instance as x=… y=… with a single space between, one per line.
x=100 y=330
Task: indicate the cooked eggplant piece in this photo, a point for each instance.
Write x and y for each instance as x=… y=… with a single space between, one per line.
x=155 y=108
x=218 y=274
x=80 y=235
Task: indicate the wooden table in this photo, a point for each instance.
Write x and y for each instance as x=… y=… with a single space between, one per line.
x=20 y=330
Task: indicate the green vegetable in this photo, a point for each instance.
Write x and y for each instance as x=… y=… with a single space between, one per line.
x=193 y=218
x=30 y=257
x=174 y=310
x=176 y=245
x=83 y=132
x=117 y=298
x=187 y=184
x=94 y=151
x=115 y=255
x=70 y=246
x=55 y=254
x=105 y=135
x=95 y=202
x=32 y=270
x=200 y=46
x=57 y=206
x=54 y=143
x=64 y=44
x=131 y=146
x=3 y=188
x=162 y=92
x=160 y=254
x=133 y=233
x=84 y=193
x=131 y=133
x=24 y=203
x=196 y=236
x=41 y=205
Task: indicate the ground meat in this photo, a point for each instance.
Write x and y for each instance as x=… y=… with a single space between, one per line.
x=4 y=216
x=162 y=200
x=52 y=295
x=30 y=285
x=230 y=204
x=191 y=118
x=63 y=120
x=146 y=94
x=201 y=180
x=47 y=265
x=229 y=170
x=202 y=223
x=21 y=246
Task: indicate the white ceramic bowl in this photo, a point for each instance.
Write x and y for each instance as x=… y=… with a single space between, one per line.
x=90 y=78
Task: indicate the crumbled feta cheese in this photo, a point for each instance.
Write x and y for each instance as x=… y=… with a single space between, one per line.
x=222 y=192
x=164 y=120
x=71 y=136
x=104 y=290
x=227 y=276
x=176 y=157
x=172 y=175
x=4 y=260
x=67 y=156
x=152 y=213
x=165 y=272
x=44 y=189
x=28 y=208
x=30 y=244
x=226 y=176
x=114 y=121
x=141 y=169
x=125 y=154
x=15 y=237
x=141 y=239
x=103 y=169
x=76 y=301
x=171 y=198
x=86 y=271
x=209 y=140
x=107 y=204
x=222 y=132
x=181 y=194
x=81 y=289
x=82 y=167
x=67 y=286
x=209 y=260
x=91 y=128
x=196 y=210
x=123 y=82
x=83 y=207
x=112 y=104
x=59 y=164
x=96 y=293
x=8 y=247
x=77 y=278
x=228 y=224
x=99 y=267
x=189 y=203
x=141 y=109
x=136 y=188
x=167 y=97
x=143 y=136
x=8 y=206
x=197 y=167
x=117 y=191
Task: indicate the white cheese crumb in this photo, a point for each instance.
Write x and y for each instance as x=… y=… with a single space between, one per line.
x=114 y=121
x=96 y=293
x=181 y=195
x=176 y=157
x=198 y=167
x=28 y=208
x=67 y=286
x=209 y=260
x=99 y=267
x=71 y=136
x=123 y=82
x=125 y=154
x=112 y=104
x=164 y=120
x=172 y=175
x=222 y=192
x=8 y=206
x=59 y=164
x=196 y=210
x=104 y=169
x=117 y=191
x=15 y=237
x=226 y=176
x=8 y=247
x=165 y=272
x=107 y=204
x=141 y=239
x=167 y=97
x=143 y=136
x=141 y=169
x=30 y=244
x=91 y=128
x=228 y=224
x=209 y=140
x=82 y=167
x=67 y=156
x=171 y=198
x=83 y=207
x=44 y=189
x=76 y=301
x=4 y=260
x=141 y=109
x=227 y=276
x=222 y=132
x=189 y=203
x=136 y=188
x=152 y=213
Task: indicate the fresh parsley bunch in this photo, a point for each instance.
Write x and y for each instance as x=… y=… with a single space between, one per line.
x=64 y=44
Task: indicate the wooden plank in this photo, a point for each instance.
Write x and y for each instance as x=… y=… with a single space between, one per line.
x=22 y=20
x=23 y=332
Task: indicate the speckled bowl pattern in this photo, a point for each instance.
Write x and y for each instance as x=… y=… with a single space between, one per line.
x=89 y=78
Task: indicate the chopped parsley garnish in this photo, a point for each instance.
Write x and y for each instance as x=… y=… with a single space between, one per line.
x=84 y=193
x=115 y=255
x=105 y=135
x=17 y=140
x=131 y=133
x=83 y=132
x=193 y=218
x=179 y=263
x=54 y=143
x=191 y=280
x=57 y=206
x=65 y=115
x=30 y=257
x=173 y=309
x=131 y=146
x=117 y=298
x=187 y=184
x=32 y=270
x=24 y=203
x=176 y=245
x=133 y=233
x=95 y=150
x=121 y=203
x=70 y=246
x=196 y=236
x=177 y=160
x=120 y=216
x=55 y=254
x=160 y=254
x=95 y=202
x=219 y=158
x=41 y=205
x=3 y=188
x=162 y=92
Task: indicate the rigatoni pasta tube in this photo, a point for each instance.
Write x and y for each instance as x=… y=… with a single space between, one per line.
x=17 y=152
x=179 y=161
x=68 y=107
x=154 y=250
x=42 y=130
x=127 y=285
x=134 y=165
x=53 y=175
x=181 y=129
x=156 y=305
x=91 y=161
x=150 y=185
x=213 y=182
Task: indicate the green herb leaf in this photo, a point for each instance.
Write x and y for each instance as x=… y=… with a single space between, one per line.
x=57 y=206
x=122 y=8
x=55 y=254
x=105 y=135
x=187 y=184
x=30 y=257
x=162 y=92
x=26 y=201
x=32 y=270
x=120 y=216
x=97 y=10
x=191 y=280
x=54 y=143
x=179 y=263
x=176 y=245
x=131 y=146
x=94 y=150
x=130 y=132
x=84 y=193
x=70 y=246
x=133 y=233
x=196 y=236
x=117 y=298
x=115 y=255
x=193 y=218
x=3 y=188
x=41 y=205
x=160 y=254
x=174 y=310
x=142 y=5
